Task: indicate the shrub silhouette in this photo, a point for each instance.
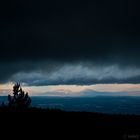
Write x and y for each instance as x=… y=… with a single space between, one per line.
x=20 y=99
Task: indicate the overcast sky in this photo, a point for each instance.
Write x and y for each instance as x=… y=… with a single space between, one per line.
x=63 y=42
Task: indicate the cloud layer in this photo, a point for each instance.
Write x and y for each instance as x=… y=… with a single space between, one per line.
x=69 y=42
x=79 y=75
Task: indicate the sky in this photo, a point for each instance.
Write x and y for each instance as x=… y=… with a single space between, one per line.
x=70 y=47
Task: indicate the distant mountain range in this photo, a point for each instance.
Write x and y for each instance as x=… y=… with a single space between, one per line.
x=89 y=93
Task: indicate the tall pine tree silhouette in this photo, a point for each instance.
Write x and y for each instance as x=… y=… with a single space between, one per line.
x=20 y=99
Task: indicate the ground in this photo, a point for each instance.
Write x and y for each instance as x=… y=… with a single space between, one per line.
x=60 y=124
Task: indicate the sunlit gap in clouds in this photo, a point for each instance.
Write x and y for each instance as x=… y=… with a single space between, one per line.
x=76 y=90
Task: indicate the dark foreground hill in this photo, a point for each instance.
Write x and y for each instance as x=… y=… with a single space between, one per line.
x=44 y=123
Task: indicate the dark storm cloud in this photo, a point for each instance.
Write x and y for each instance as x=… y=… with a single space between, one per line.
x=45 y=35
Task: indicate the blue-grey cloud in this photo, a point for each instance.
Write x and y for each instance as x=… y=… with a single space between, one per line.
x=79 y=75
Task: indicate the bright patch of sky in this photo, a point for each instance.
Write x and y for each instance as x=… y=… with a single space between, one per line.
x=74 y=90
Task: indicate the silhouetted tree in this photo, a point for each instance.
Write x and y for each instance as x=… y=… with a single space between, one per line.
x=20 y=99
